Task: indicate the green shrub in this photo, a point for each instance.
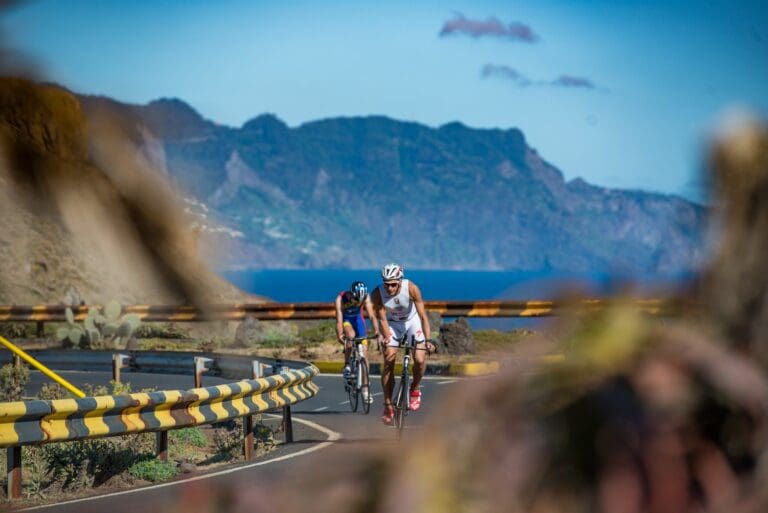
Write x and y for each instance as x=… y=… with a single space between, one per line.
x=87 y=463
x=319 y=333
x=228 y=438
x=493 y=340
x=12 y=330
x=189 y=436
x=208 y=346
x=113 y=388
x=263 y=437
x=280 y=334
x=51 y=391
x=12 y=382
x=160 y=330
x=153 y=470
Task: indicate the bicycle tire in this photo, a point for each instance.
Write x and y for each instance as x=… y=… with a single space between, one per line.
x=365 y=385
x=401 y=406
x=354 y=393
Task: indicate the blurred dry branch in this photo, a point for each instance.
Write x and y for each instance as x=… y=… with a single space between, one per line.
x=737 y=282
x=86 y=182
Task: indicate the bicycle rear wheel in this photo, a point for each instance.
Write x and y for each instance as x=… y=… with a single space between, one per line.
x=401 y=403
x=365 y=385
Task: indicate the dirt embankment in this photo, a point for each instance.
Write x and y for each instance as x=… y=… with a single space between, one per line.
x=85 y=217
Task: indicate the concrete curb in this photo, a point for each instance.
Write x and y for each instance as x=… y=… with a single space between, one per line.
x=433 y=369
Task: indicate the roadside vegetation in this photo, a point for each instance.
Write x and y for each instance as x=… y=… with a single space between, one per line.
x=60 y=470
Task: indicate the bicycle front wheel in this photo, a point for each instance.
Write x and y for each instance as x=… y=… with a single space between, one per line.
x=365 y=386
x=401 y=403
x=354 y=392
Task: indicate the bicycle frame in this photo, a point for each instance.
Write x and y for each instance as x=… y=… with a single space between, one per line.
x=401 y=396
x=359 y=380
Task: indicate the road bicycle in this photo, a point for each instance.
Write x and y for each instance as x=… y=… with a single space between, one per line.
x=401 y=403
x=357 y=383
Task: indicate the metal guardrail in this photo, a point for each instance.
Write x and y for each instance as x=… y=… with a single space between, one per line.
x=38 y=421
x=274 y=311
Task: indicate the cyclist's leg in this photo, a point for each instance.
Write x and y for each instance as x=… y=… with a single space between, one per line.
x=419 y=357
x=349 y=332
x=388 y=368
x=360 y=332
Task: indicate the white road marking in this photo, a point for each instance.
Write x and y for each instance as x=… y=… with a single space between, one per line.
x=448 y=382
x=321 y=408
x=332 y=436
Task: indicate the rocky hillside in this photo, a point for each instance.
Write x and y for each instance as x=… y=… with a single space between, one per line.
x=85 y=217
x=355 y=192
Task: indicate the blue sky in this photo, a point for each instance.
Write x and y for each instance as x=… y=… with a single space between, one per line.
x=621 y=93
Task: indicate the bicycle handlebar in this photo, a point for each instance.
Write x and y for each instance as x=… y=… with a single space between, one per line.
x=360 y=339
x=402 y=344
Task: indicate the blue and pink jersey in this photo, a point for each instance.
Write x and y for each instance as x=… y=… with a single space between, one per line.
x=352 y=312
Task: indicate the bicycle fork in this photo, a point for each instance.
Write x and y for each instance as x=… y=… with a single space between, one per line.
x=359 y=370
x=406 y=366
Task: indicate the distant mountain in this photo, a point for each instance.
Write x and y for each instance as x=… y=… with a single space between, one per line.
x=357 y=192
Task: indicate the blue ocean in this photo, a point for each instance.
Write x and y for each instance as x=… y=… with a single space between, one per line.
x=297 y=286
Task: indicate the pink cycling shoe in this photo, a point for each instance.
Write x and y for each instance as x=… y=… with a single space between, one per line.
x=415 y=402
x=388 y=415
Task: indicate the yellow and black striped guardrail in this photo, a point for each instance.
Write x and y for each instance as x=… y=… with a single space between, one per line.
x=35 y=422
x=42 y=421
x=274 y=311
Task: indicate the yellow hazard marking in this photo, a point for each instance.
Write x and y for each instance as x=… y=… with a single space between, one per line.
x=183 y=317
x=216 y=407
x=163 y=410
x=94 y=420
x=474 y=369
x=534 y=308
x=54 y=425
x=131 y=416
x=483 y=311
x=9 y=414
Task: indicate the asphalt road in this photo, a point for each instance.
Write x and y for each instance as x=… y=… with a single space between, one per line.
x=323 y=425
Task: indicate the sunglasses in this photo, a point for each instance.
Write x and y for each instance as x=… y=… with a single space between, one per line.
x=390 y=284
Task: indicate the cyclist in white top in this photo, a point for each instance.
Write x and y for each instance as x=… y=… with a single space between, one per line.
x=400 y=309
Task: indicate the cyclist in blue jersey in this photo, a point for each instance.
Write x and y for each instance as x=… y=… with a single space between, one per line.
x=350 y=321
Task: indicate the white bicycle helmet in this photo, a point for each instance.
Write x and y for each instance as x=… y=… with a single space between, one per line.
x=392 y=272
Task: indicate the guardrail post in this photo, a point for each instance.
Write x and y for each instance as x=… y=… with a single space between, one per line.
x=287 y=421
x=248 y=437
x=162 y=445
x=119 y=361
x=256 y=373
x=257 y=370
x=287 y=424
x=200 y=367
x=14 y=472
x=40 y=331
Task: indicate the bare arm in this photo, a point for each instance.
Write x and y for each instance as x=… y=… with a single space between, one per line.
x=381 y=314
x=339 y=325
x=415 y=294
x=372 y=315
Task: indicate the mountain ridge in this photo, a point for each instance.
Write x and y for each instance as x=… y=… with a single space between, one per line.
x=466 y=197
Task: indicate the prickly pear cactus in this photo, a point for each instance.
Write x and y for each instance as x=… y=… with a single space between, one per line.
x=100 y=328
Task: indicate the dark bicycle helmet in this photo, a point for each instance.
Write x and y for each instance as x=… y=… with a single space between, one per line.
x=358 y=291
